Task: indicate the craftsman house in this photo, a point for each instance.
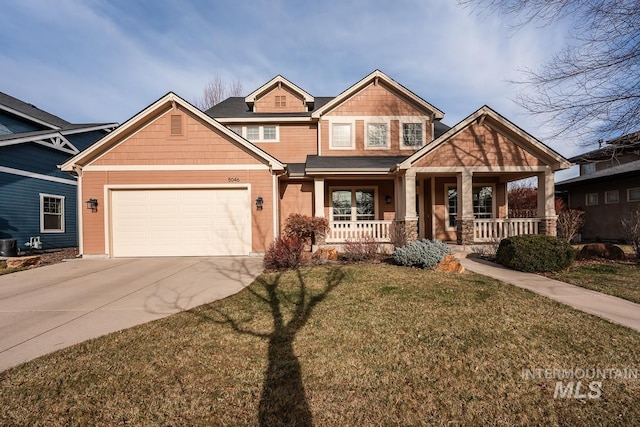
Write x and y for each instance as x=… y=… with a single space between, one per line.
x=607 y=189
x=38 y=205
x=174 y=180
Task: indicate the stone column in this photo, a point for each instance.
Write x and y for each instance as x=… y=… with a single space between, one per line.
x=464 y=220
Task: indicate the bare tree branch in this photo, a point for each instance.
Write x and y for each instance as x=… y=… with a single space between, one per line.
x=216 y=91
x=591 y=88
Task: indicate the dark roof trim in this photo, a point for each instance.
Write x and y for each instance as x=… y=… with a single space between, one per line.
x=621 y=171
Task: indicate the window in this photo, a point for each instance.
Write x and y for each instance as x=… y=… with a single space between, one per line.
x=412 y=135
x=588 y=168
x=269 y=132
x=341 y=135
x=453 y=206
x=611 y=197
x=253 y=133
x=591 y=199
x=51 y=213
x=482 y=203
x=281 y=101
x=377 y=135
x=353 y=205
x=633 y=195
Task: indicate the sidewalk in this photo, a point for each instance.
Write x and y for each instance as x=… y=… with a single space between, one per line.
x=608 y=307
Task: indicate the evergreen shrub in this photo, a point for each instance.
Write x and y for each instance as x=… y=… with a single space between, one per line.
x=534 y=253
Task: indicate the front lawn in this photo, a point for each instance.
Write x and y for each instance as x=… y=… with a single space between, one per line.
x=617 y=279
x=336 y=346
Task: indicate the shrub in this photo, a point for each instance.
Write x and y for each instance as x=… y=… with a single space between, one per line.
x=283 y=254
x=305 y=228
x=535 y=252
x=398 y=234
x=423 y=253
x=631 y=228
x=570 y=221
x=363 y=249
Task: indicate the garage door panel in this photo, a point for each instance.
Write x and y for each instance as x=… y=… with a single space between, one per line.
x=190 y=222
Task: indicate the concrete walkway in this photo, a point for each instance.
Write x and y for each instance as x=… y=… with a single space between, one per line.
x=49 y=308
x=608 y=307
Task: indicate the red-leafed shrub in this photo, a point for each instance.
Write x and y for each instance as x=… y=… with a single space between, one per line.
x=283 y=254
x=305 y=228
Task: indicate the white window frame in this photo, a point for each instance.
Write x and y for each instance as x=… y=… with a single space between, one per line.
x=607 y=197
x=62 y=213
x=589 y=202
x=352 y=135
x=403 y=146
x=629 y=190
x=354 y=212
x=387 y=142
x=244 y=132
x=475 y=185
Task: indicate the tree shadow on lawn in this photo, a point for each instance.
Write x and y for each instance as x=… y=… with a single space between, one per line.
x=283 y=400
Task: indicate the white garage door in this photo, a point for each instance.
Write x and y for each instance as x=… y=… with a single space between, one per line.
x=189 y=222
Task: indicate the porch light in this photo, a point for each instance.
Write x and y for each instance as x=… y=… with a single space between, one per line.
x=388 y=200
x=259 y=203
x=92 y=205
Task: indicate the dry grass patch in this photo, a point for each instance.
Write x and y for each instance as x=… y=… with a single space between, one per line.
x=618 y=279
x=348 y=345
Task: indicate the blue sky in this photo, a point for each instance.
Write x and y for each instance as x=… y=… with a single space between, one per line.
x=103 y=61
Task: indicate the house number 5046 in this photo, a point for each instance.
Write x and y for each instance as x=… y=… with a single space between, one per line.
x=233 y=179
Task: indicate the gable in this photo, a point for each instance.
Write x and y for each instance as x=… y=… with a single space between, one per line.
x=376 y=99
x=280 y=99
x=176 y=137
x=479 y=145
x=171 y=132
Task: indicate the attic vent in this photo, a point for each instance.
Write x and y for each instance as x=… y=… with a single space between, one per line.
x=176 y=124
x=281 y=101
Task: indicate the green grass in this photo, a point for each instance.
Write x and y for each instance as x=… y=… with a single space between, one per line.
x=349 y=345
x=617 y=279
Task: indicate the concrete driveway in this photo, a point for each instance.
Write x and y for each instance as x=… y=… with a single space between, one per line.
x=49 y=308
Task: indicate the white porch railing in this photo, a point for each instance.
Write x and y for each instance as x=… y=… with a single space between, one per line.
x=341 y=231
x=491 y=230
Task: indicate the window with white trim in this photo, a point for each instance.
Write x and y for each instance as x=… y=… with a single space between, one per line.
x=482 y=203
x=256 y=133
x=341 y=135
x=353 y=204
x=51 y=213
x=612 y=196
x=591 y=199
x=377 y=135
x=412 y=135
x=633 y=194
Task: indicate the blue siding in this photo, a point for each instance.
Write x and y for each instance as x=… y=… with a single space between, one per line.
x=20 y=211
x=34 y=157
x=12 y=124
x=83 y=140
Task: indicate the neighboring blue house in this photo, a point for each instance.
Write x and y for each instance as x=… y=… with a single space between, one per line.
x=36 y=198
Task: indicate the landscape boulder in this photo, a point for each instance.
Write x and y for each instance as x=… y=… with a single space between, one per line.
x=601 y=250
x=450 y=264
x=23 y=261
x=329 y=254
